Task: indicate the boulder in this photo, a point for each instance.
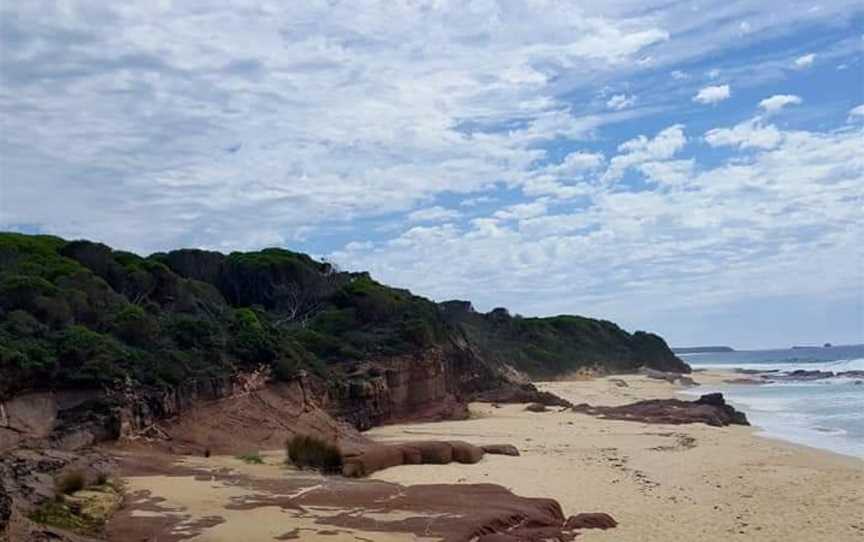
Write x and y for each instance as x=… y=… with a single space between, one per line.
x=365 y=461
x=373 y=458
x=536 y=407
x=592 y=520
x=500 y=449
x=434 y=452
x=466 y=453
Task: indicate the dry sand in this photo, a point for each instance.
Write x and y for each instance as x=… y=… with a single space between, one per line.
x=661 y=482
x=206 y=508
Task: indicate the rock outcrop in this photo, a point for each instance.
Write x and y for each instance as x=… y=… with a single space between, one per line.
x=377 y=457
x=710 y=409
x=591 y=520
x=508 y=393
x=430 y=385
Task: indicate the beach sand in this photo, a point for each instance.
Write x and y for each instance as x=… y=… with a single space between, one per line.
x=661 y=482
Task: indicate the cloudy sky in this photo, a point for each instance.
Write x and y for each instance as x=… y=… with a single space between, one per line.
x=691 y=168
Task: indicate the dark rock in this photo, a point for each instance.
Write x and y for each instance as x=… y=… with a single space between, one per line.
x=432 y=452
x=593 y=520
x=536 y=407
x=619 y=383
x=660 y=375
x=746 y=381
x=510 y=393
x=802 y=374
x=466 y=453
x=710 y=409
x=5 y=508
x=500 y=449
x=686 y=381
x=715 y=399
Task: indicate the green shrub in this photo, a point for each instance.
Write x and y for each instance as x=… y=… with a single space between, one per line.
x=59 y=514
x=253 y=458
x=135 y=326
x=305 y=451
x=71 y=482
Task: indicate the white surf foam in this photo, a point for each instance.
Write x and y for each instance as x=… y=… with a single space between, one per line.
x=836 y=366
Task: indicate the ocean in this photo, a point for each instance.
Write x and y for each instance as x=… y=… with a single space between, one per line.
x=827 y=413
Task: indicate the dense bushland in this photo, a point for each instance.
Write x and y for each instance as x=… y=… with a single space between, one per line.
x=79 y=314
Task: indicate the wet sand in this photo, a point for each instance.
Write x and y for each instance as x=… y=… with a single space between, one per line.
x=661 y=482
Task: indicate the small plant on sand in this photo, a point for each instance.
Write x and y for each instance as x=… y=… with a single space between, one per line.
x=305 y=451
x=252 y=459
x=71 y=482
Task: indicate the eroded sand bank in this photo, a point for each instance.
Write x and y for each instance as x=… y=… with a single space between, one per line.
x=661 y=482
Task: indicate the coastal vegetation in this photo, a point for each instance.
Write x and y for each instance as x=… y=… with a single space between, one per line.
x=77 y=314
x=253 y=458
x=308 y=452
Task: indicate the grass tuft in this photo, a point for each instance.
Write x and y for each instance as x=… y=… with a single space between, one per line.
x=252 y=459
x=306 y=451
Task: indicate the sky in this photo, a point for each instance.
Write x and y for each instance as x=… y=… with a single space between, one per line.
x=695 y=169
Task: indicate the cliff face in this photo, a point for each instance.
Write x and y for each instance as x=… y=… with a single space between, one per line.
x=431 y=385
x=554 y=346
x=116 y=341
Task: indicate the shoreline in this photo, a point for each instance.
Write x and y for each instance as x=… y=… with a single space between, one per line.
x=661 y=482
x=718 y=380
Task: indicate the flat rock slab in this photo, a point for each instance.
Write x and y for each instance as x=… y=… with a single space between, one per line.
x=710 y=409
x=310 y=505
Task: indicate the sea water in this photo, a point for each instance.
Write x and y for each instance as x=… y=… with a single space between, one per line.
x=827 y=413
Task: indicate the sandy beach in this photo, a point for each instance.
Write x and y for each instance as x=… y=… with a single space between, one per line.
x=661 y=482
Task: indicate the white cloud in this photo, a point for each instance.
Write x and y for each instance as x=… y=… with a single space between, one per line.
x=777 y=217
x=620 y=101
x=670 y=172
x=747 y=135
x=713 y=94
x=856 y=113
x=433 y=214
x=714 y=74
x=238 y=125
x=804 y=61
x=779 y=101
x=182 y=125
x=522 y=211
x=475 y=201
x=642 y=149
x=576 y=162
